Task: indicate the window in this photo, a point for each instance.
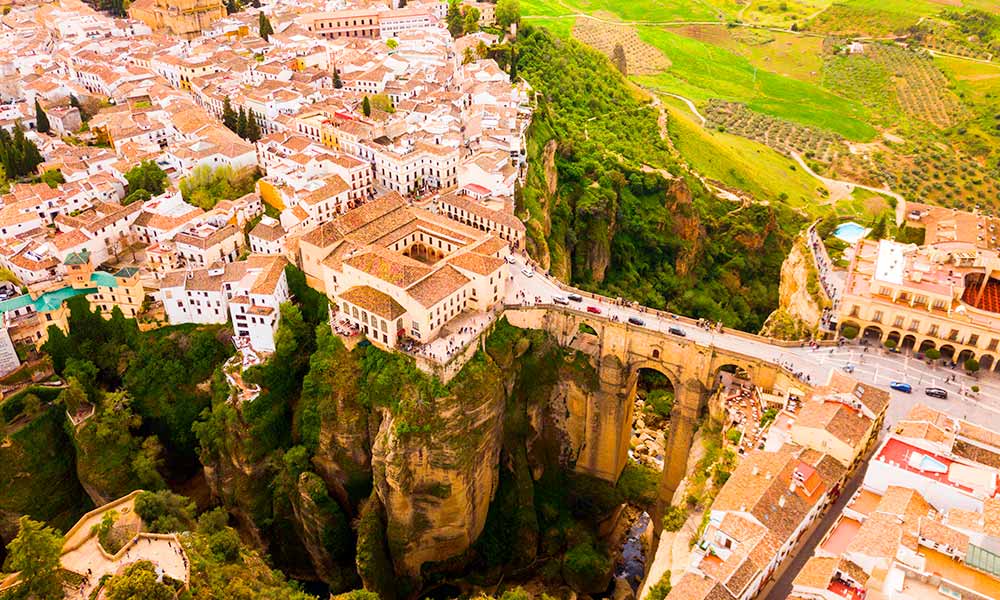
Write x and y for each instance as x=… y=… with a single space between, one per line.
x=898 y=322
x=933 y=330
x=915 y=325
x=993 y=344
x=953 y=335
x=973 y=340
x=877 y=317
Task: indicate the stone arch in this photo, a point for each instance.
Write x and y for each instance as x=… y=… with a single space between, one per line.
x=947 y=352
x=586 y=328
x=909 y=342
x=873 y=333
x=731 y=369
x=894 y=336
x=659 y=366
x=986 y=362
x=965 y=355
x=926 y=345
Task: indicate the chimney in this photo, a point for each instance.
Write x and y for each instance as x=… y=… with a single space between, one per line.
x=767 y=476
x=755 y=470
x=781 y=501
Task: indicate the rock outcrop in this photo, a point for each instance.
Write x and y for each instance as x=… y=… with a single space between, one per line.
x=437 y=486
x=800 y=300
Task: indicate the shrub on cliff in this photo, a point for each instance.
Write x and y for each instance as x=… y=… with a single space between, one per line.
x=586 y=569
x=165 y=511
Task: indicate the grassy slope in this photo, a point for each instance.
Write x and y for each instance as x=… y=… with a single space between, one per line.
x=701 y=71
x=740 y=162
x=630 y=10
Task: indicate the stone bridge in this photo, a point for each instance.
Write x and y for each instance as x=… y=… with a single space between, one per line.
x=619 y=351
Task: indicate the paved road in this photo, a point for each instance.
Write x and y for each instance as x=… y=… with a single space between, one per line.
x=876 y=367
x=782 y=587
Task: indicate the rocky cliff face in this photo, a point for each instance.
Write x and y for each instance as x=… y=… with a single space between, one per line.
x=437 y=485
x=37 y=472
x=429 y=458
x=686 y=225
x=799 y=309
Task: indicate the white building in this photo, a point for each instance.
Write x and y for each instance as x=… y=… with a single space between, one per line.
x=249 y=293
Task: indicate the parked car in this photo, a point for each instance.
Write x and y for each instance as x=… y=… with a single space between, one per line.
x=560 y=300
x=594 y=309
x=509 y=259
x=677 y=331
x=575 y=297
x=527 y=272
x=636 y=321
x=936 y=393
x=899 y=386
x=848 y=368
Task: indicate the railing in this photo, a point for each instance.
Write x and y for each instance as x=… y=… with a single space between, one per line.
x=668 y=315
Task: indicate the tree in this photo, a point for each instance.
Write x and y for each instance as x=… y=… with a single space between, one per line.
x=137 y=196
x=165 y=511
x=53 y=177
x=241 y=123
x=41 y=119
x=382 y=102
x=513 y=64
x=228 y=115
x=454 y=19
x=337 y=83
x=470 y=22
x=139 y=580
x=148 y=176
x=19 y=156
x=890 y=344
x=932 y=354
x=366 y=107
x=34 y=553
x=971 y=365
x=674 y=518
x=879 y=229
x=206 y=186
x=619 y=60
x=264 y=26
x=392 y=43
x=233 y=6
x=253 y=128
x=508 y=12
x=849 y=332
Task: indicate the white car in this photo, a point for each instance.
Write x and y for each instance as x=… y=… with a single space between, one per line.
x=509 y=259
x=527 y=272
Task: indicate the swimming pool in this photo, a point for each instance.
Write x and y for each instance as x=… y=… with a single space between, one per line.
x=927 y=463
x=850 y=232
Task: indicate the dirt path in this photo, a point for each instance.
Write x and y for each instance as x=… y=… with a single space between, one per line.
x=840 y=189
x=690 y=105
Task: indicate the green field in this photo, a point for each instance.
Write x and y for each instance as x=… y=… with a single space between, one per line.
x=701 y=71
x=804 y=80
x=741 y=163
x=633 y=10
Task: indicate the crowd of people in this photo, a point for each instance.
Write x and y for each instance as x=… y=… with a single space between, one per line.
x=826 y=277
